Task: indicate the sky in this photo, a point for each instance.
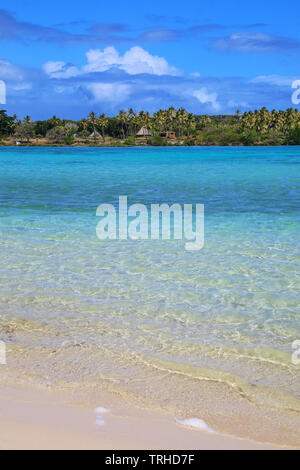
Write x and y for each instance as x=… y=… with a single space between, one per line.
x=67 y=58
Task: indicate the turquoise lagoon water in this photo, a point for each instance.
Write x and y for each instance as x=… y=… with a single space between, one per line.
x=149 y=317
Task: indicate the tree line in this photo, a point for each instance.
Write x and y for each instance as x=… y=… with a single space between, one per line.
x=259 y=127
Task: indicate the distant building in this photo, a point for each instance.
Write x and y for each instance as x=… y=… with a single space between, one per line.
x=144 y=132
x=168 y=134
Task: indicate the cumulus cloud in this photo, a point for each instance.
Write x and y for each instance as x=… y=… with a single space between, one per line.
x=110 y=80
x=100 y=61
x=204 y=97
x=135 y=61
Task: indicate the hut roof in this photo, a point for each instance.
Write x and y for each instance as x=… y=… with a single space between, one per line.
x=95 y=134
x=144 y=132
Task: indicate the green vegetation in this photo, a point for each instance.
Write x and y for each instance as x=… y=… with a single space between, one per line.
x=260 y=127
x=295 y=136
x=130 y=140
x=156 y=141
x=7 y=124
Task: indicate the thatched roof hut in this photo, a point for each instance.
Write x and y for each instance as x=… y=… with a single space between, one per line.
x=144 y=132
x=95 y=135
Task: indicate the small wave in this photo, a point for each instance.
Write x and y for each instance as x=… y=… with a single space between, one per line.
x=195 y=423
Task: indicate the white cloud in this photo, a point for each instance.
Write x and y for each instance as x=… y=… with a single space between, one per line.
x=21 y=86
x=135 y=61
x=98 y=61
x=60 y=70
x=53 y=67
x=277 y=80
x=14 y=77
x=204 y=97
x=256 y=42
x=10 y=72
x=111 y=92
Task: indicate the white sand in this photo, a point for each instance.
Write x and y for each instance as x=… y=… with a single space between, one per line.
x=39 y=419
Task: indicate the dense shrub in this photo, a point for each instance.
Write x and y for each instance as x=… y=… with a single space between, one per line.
x=130 y=140
x=294 y=137
x=157 y=141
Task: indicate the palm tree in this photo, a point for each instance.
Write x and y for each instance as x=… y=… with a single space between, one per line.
x=171 y=115
x=92 y=119
x=123 y=119
x=160 y=119
x=24 y=129
x=204 y=121
x=27 y=120
x=83 y=127
x=181 y=115
x=54 y=121
x=190 y=123
x=143 y=119
x=103 y=123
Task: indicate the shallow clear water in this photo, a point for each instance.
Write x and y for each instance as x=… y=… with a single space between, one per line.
x=129 y=310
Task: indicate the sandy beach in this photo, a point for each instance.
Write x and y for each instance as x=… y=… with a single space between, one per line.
x=38 y=419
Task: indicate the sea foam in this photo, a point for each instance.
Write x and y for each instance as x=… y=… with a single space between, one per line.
x=100 y=412
x=195 y=423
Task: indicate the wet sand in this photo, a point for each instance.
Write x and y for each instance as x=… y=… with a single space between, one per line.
x=39 y=419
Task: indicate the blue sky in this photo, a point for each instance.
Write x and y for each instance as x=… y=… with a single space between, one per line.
x=68 y=58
